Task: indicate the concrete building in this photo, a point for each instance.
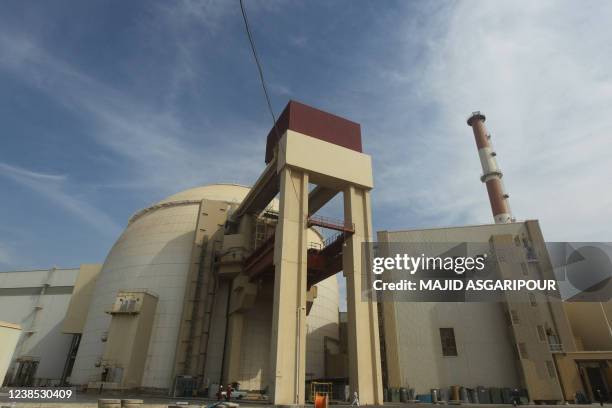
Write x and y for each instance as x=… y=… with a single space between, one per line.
x=80 y=326
x=529 y=340
x=163 y=253
x=9 y=336
x=311 y=157
x=589 y=366
x=219 y=284
x=227 y=284
x=38 y=301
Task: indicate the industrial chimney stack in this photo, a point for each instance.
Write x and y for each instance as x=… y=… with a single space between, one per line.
x=491 y=174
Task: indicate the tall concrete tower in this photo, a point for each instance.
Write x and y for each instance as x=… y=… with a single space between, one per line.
x=491 y=173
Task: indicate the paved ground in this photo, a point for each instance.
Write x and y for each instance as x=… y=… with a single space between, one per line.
x=91 y=401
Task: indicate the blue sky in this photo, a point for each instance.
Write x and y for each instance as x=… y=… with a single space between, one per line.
x=108 y=106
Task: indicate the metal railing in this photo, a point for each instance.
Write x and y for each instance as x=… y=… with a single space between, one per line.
x=555 y=348
x=330 y=223
x=319 y=246
x=315 y=245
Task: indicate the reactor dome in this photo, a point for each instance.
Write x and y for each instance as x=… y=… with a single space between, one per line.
x=154 y=254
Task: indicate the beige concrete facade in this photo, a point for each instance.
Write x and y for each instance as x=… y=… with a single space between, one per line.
x=573 y=369
x=365 y=373
x=590 y=322
x=328 y=165
x=589 y=366
x=39 y=300
x=9 y=336
x=127 y=341
x=511 y=344
x=193 y=335
x=288 y=342
x=304 y=160
x=76 y=315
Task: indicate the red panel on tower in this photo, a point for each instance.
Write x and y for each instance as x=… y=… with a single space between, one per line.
x=314 y=123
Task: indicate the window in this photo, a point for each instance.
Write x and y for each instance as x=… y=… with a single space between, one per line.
x=526 y=243
x=551 y=369
x=541 y=334
x=523 y=350
x=449 y=346
x=514 y=317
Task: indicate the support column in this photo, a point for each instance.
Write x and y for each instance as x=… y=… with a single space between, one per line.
x=242 y=298
x=288 y=340
x=234 y=347
x=365 y=375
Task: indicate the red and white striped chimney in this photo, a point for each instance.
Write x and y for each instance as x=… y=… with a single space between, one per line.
x=492 y=175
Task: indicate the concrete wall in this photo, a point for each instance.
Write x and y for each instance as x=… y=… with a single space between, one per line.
x=76 y=315
x=322 y=321
x=128 y=337
x=255 y=350
x=486 y=343
x=40 y=316
x=216 y=342
x=9 y=336
x=485 y=353
x=570 y=375
x=590 y=325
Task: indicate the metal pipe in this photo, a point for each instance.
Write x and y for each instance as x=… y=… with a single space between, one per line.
x=492 y=175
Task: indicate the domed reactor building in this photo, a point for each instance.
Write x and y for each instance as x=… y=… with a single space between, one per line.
x=224 y=284
x=169 y=278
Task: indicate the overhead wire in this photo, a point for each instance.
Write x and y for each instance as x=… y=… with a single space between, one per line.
x=263 y=84
x=277 y=134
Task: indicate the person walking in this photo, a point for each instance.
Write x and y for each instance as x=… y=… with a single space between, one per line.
x=599 y=396
x=516 y=397
x=355 y=400
x=220 y=393
x=228 y=392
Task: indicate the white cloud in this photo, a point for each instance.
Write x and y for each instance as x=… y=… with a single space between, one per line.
x=18 y=172
x=540 y=71
x=158 y=147
x=157 y=151
x=53 y=188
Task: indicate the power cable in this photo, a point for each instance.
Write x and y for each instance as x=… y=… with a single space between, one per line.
x=263 y=83
x=265 y=89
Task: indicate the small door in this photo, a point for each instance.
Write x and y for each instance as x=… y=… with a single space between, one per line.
x=26 y=372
